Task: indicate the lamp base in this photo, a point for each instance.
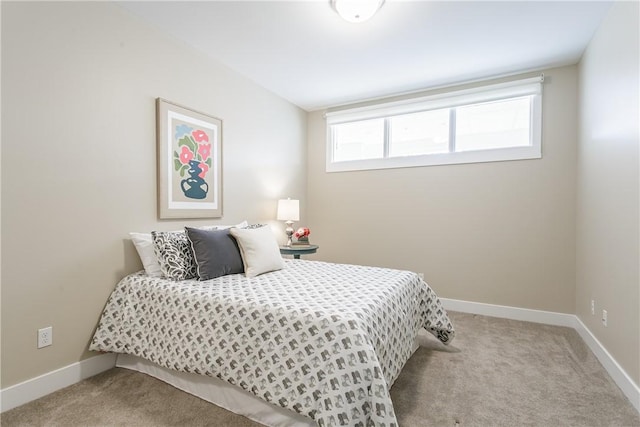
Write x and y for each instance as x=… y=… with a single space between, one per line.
x=289 y=231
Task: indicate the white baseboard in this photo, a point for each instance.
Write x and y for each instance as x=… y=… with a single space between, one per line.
x=514 y=313
x=621 y=378
x=617 y=373
x=35 y=388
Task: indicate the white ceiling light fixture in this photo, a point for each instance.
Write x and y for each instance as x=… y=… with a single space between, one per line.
x=356 y=11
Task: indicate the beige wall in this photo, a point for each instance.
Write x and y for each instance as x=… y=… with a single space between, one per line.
x=79 y=82
x=608 y=258
x=500 y=233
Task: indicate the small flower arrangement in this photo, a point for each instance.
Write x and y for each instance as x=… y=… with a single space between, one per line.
x=302 y=234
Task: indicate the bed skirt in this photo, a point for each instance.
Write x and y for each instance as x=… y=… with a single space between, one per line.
x=218 y=392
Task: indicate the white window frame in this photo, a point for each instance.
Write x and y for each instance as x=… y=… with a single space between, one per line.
x=501 y=91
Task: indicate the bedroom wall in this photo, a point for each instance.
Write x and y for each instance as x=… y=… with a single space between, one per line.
x=608 y=186
x=79 y=82
x=499 y=233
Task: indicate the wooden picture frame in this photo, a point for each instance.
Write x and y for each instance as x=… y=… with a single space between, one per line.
x=189 y=151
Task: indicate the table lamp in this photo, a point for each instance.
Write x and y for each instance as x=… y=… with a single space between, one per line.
x=288 y=211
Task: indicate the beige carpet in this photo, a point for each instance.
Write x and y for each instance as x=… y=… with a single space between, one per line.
x=496 y=373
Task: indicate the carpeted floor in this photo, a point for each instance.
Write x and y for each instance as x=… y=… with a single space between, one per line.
x=497 y=372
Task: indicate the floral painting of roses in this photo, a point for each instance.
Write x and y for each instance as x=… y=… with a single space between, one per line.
x=189 y=162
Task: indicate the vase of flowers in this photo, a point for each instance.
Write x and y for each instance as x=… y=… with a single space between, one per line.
x=302 y=236
x=193 y=157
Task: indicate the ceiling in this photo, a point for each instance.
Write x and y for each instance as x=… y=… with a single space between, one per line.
x=304 y=52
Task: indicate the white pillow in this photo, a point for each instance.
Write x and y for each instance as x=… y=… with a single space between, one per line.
x=144 y=245
x=259 y=249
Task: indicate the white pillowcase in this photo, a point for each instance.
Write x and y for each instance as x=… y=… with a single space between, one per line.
x=259 y=249
x=144 y=245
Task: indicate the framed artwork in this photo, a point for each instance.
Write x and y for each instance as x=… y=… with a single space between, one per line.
x=189 y=162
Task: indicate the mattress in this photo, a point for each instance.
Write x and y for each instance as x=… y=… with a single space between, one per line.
x=323 y=340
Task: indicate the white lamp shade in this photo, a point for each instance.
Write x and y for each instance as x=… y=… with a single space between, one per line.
x=288 y=210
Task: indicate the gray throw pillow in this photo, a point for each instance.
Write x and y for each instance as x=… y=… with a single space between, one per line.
x=216 y=253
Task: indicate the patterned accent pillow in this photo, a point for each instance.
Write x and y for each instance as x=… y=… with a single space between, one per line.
x=174 y=255
x=222 y=227
x=252 y=226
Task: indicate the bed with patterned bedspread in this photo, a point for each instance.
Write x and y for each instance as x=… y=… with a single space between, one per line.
x=324 y=340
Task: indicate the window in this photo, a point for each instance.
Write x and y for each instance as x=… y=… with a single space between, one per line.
x=416 y=134
x=360 y=140
x=490 y=123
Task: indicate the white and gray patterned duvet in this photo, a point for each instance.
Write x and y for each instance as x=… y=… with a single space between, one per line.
x=324 y=340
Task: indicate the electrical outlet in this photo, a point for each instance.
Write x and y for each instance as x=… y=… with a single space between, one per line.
x=45 y=337
x=593 y=307
x=604 y=317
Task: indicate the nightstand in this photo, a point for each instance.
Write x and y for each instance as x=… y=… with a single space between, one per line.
x=297 y=250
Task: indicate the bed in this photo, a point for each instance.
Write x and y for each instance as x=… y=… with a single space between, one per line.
x=319 y=343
